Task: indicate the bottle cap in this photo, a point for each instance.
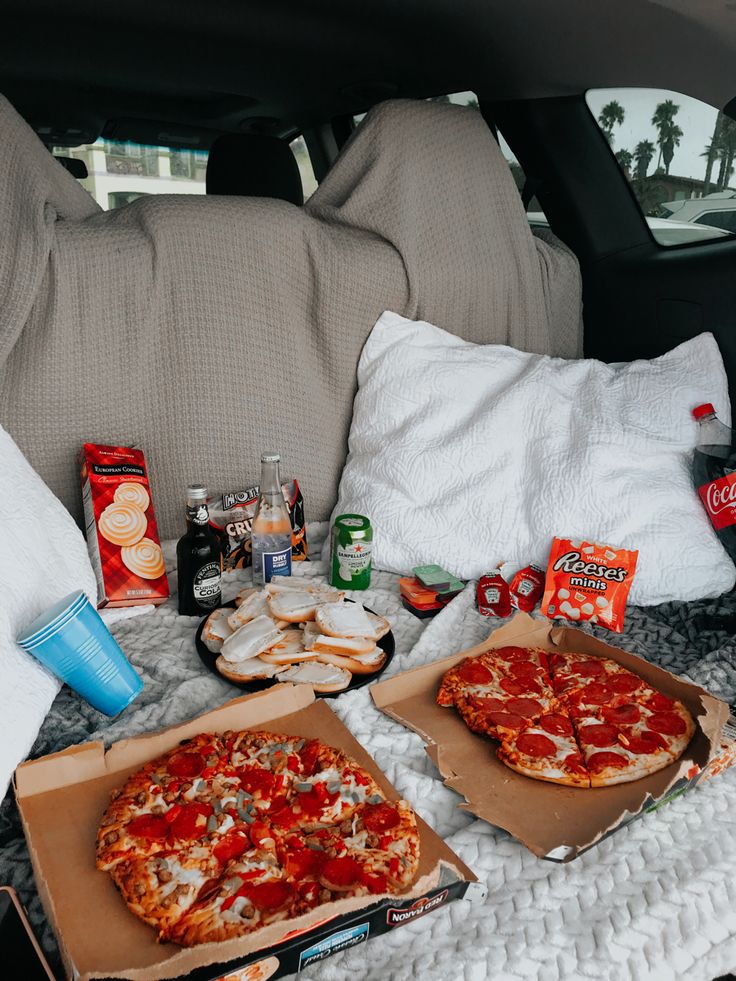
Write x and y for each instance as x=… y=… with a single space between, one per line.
x=703 y=410
x=270 y=457
x=197 y=492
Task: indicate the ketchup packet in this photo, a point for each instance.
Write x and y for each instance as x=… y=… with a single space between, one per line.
x=526 y=588
x=588 y=582
x=493 y=597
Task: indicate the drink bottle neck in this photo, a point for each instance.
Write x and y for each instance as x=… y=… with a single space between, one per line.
x=712 y=432
x=270 y=482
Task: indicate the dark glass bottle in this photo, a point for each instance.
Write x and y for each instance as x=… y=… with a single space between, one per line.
x=198 y=558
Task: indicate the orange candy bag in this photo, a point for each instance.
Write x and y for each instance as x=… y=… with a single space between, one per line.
x=588 y=582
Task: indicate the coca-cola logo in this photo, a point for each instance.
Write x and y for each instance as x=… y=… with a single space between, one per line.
x=718 y=498
x=571 y=562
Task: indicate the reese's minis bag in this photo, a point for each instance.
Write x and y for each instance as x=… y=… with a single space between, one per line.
x=588 y=582
x=231 y=518
x=120 y=526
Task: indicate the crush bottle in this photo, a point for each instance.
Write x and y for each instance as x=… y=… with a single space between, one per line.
x=271 y=531
x=714 y=474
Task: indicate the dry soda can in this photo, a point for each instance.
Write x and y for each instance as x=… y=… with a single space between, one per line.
x=351 y=545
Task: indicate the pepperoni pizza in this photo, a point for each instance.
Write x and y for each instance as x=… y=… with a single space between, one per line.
x=575 y=719
x=230 y=832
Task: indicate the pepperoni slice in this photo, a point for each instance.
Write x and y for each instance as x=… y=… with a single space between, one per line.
x=506 y=719
x=596 y=694
x=313 y=802
x=535 y=744
x=599 y=735
x=512 y=653
x=231 y=846
x=524 y=669
x=555 y=724
x=645 y=742
x=574 y=762
x=520 y=686
x=341 y=871
x=667 y=722
x=191 y=821
x=305 y=863
x=474 y=672
x=528 y=707
x=601 y=761
x=308 y=755
x=148 y=826
x=269 y=895
x=380 y=817
x=257 y=779
x=185 y=765
x=622 y=715
x=659 y=702
x=589 y=669
x=624 y=684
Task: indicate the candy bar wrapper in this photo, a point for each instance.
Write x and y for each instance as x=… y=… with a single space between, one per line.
x=231 y=518
x=589 y=582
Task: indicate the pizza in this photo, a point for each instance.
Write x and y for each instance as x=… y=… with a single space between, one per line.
x=230 y=832
x=575 y=719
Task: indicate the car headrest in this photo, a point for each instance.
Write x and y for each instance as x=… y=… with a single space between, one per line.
x=254 y=165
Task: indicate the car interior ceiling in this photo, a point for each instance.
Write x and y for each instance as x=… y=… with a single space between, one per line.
x=186 y=73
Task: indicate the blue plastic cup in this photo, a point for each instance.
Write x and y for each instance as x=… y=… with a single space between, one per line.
x=71 y=640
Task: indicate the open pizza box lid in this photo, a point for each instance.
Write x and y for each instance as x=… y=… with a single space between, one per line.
x=62 y=797
x=553 y=821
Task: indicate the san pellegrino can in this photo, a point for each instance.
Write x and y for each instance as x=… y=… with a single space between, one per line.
x=351 y=546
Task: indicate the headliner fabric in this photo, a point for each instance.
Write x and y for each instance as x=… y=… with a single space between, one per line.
x=255 y=165
x=205 y=329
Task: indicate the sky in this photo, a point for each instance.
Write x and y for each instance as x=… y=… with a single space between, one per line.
x=695 y=119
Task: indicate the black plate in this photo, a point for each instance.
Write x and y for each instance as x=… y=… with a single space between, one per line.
x=386 y=644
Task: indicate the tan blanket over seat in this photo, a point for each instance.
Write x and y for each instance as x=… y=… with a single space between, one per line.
x=206 y=329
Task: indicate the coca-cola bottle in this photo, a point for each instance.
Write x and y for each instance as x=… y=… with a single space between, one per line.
x=714 y=473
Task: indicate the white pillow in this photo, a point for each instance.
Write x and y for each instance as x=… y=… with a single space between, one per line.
x=43 y=557
x=470 y=455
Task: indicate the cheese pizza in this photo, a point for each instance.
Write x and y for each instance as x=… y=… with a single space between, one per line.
x=230 y=832
x=568 y=718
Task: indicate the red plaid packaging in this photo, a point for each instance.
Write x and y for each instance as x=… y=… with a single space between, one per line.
x=122 y=538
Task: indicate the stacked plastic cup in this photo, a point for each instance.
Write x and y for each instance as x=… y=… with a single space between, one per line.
x=71 y=640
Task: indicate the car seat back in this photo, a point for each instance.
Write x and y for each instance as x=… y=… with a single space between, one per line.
x=204 y=329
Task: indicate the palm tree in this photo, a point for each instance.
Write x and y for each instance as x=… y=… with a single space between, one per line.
x=668 y=132
x=643 y=153
x=611 y=114
x=625 y=159
x=711 y=152
x=722 y=147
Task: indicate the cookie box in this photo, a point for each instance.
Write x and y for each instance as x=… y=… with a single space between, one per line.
x=62 y=797
x=120 y=526
x=553 y=821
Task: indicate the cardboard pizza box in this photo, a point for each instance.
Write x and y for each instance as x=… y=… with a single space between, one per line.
x=62 y=797
x=553 y=821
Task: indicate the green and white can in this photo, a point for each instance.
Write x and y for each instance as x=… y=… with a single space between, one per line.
x=351 y=545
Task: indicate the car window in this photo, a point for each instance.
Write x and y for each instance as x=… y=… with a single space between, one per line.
x=118 y=173
x=677 y=154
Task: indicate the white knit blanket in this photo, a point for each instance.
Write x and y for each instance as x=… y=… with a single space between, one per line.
x=655 y=901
